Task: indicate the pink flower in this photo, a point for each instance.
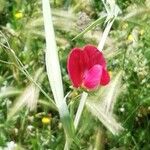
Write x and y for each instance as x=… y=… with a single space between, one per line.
x=87 y=68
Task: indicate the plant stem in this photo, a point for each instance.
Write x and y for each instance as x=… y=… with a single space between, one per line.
x=105 y=34
x=80 y=109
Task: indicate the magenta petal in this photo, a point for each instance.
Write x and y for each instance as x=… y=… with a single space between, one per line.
x=74 y=67
x=105 y=77
x=87 y=67
x=92 y=77
x=95 y=56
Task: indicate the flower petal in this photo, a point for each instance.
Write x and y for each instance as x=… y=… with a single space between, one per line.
x=94 y=55
x=87 y=67
x=105 y=77
x=92 y=77
x=74 y=67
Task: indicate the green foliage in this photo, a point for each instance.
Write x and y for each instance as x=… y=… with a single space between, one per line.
x=126 y=3
x=127 y=49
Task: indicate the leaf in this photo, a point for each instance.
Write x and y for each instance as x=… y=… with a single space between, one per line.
x=98 y=21
x=54 y=73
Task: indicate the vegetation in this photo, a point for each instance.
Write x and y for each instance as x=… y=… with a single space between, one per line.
x=114 y=117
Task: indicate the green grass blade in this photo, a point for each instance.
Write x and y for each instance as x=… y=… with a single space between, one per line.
x=98 y=21
x=54 y=73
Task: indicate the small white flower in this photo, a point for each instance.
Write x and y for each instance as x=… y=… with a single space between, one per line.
x=122 y=109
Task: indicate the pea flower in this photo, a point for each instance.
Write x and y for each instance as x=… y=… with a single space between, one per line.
x=87 y=68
